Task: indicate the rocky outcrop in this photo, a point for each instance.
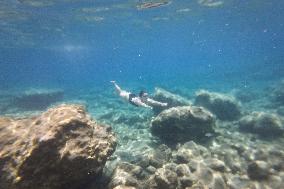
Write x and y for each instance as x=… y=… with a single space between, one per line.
x=61 y=148
x=223 y=106
x=184 y=123
x=264 y=124
x=36 y=99
x=171 y=99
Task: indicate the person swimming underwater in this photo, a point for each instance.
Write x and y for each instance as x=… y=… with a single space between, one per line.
x=141 y=100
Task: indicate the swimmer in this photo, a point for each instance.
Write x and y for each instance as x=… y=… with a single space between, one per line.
x=141 y=100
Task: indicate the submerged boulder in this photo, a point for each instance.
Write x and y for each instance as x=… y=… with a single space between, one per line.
x=37 y=99
x=61 y=148
x=264 y=124
x=223 y=106
x=184 y=123
x=171 y=99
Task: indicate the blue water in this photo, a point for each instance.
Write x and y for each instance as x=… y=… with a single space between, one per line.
x=238 y=44
x=76 y=47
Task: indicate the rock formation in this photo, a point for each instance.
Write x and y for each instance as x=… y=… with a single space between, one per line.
x=264 y=124
x=223 y=106
x=61 y=148
x=184 y=123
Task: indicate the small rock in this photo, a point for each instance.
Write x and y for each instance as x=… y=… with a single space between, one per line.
x=151 y=169
x=218 y=182
x=275 y=182
x=182 y=170
x=166 y=179
x=171 y=166
x=258 y=170
x=205 y=174
x=182 y=156
x=160 y=156
x=126 y=174
x=215 y=164
x=186 y=181
x=237 y=182
x=193 y=165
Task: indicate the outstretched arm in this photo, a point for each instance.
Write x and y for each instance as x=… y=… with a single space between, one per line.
x=122 y=93
x=118 y=89
x=155 y=103
x=138 y=102
x=145 y=105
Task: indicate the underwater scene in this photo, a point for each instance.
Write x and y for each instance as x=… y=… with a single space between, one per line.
x=141 y=94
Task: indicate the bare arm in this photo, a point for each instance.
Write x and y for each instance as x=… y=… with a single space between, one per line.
x=122 y=93
x=156 y=103
x=118 y=89
x=140 y=103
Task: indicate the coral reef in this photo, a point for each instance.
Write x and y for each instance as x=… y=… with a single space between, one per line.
x=173 y=100
x=223 y=106
x=184 y=123
x=61 y=148
x=264 y=124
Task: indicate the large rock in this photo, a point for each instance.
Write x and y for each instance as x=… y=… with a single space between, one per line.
x=171 y=99
x=223 y=106
x=264 y=124
x=61 y=148
x=37 y=99
x=184 y=123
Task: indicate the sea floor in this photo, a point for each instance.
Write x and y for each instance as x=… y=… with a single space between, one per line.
x=229 y=159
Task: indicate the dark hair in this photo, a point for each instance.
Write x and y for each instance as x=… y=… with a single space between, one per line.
x=141 y=93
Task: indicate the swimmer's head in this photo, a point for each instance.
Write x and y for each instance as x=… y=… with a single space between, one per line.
x=143 y=94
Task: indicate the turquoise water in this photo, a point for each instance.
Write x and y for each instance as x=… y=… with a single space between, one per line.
x=84 y=44
x=232 y=47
